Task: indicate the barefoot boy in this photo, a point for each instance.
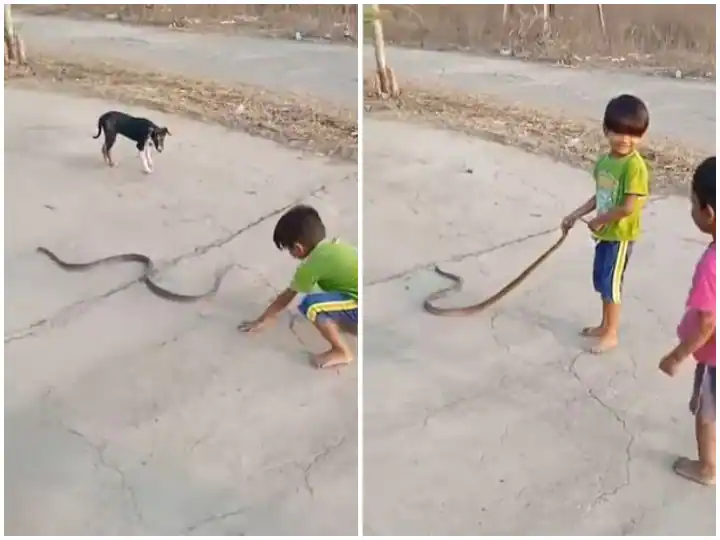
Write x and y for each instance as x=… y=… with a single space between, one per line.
x=622 y=181
x=697 y=334
x=328 y=264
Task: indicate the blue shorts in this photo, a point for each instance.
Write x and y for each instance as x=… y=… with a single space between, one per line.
x=611 y=260
x=338 y=307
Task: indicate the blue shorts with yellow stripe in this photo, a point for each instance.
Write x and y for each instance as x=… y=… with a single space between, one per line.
x=323 y=306
x=611 y=260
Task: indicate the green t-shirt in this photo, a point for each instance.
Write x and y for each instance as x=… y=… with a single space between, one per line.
x=332 y=266
x=615 y=178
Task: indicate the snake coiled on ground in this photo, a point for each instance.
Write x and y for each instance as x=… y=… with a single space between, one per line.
x=149 y=271
x=430 y=307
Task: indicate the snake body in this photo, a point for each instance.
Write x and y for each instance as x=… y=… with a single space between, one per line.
x=430 y=307
x=149 y=271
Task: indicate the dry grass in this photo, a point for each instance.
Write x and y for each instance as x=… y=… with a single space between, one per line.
x=281 y=20
x=571 y=141
x=664 y=38
x=298 y=122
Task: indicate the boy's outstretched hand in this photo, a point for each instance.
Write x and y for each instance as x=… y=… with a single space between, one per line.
x=252 y=326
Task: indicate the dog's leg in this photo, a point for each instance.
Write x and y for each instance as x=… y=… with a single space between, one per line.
x=144 y=158
x=148 y=154
x=109 y=142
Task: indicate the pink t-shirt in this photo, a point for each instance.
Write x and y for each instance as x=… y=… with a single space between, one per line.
x=701 y=299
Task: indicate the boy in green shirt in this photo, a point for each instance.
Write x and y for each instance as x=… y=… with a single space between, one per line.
x=621 y=188
x=331 y=266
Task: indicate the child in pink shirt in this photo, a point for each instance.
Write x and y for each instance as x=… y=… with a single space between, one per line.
x=696 y=332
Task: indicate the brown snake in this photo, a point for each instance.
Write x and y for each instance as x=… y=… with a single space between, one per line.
x=146 y=278
x=476 y=308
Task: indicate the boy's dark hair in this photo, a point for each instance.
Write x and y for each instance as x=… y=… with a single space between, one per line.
x=626 y=115
x=703 y=183
x=299 y=225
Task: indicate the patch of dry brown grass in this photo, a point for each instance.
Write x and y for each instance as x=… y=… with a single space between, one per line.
x=296 y=121
x=575 y=142
x=661 y=37
x=279 y=20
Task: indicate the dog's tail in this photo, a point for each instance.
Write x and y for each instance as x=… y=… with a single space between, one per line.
x=100 y=128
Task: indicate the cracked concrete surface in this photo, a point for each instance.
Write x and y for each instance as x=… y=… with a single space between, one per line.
x=129 y=415
x=500 y=423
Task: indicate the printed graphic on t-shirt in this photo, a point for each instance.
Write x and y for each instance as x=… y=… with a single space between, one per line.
x=606 y=189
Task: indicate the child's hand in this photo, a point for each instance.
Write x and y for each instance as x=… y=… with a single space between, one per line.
x=567 y=223
x=252 y=326
x=594 y=226
x=670 y=364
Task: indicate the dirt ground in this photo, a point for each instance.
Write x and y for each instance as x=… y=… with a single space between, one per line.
x=335 y=22
x=664 y=38
x=306 y=124
x=573 y=141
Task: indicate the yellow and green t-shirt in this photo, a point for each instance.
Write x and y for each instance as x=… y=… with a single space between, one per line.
x=615 y=178
x=332 y=267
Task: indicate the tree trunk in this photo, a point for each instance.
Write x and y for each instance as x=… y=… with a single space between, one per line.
x=384 y=83
x=14 y=46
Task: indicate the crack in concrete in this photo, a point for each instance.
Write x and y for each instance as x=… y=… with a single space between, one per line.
x=459 y=257
x=449 y=405
x=291 y=326
x=628 y=529
x=307 y=470
x=214 y=518
x=99 y=450
x=477 y=253
x=205 y=248
x=607 y=494
x=66 y=313
x=493 y=333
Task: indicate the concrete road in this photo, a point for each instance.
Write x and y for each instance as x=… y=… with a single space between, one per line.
x=679 y=109
x=322 y=70
x=501 y=423
x=130 y=415
x=682 y=110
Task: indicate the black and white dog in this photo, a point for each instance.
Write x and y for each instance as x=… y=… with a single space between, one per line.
x=141 y=130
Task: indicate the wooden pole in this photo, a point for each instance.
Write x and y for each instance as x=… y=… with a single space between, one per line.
x=384 y=82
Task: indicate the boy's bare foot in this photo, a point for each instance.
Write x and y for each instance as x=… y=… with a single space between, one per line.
x=605 y=344
x=332 y=358
x=593 y=331
x=693 y=470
